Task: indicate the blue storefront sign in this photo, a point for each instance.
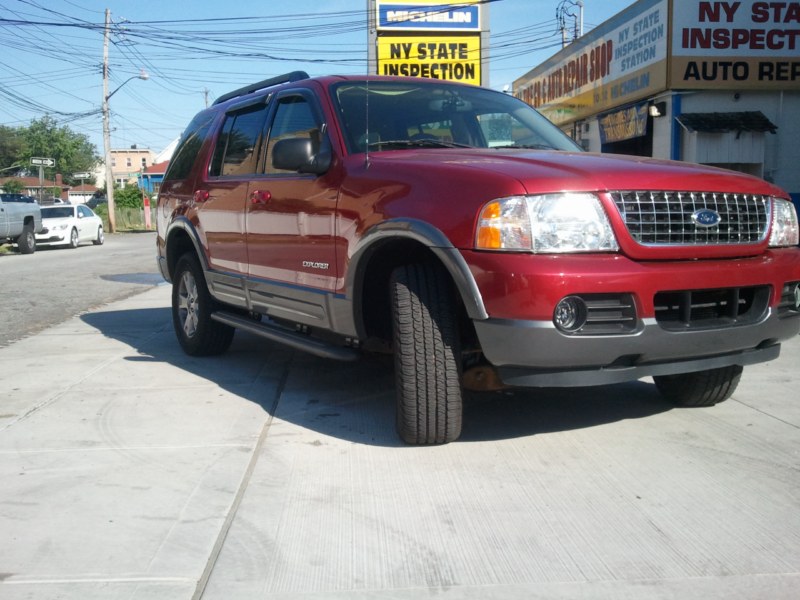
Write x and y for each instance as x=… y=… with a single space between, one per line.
x=428 y=16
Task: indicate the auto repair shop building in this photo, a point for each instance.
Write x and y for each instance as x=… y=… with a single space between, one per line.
x=716 y=83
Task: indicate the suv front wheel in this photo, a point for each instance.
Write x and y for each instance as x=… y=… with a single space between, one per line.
x=427 y=355
x=192 y=305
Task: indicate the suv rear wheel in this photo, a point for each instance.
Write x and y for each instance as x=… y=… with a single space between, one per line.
x=703 y=388
x=427 y=355
x=192 y=305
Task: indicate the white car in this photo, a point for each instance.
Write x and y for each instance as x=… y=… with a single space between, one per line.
x=69 y=225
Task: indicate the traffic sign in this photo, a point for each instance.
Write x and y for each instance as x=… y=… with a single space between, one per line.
x=44 y=162
x=83 y=175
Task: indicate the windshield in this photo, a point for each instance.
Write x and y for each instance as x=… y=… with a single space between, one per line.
x=57 y=212
x=396 y=114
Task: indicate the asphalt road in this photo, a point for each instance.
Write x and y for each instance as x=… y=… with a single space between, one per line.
x=53 y=284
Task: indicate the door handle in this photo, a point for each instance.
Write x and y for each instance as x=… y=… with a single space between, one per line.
x=260 y=197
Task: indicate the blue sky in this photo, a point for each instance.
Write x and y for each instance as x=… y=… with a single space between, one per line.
x=51 y=54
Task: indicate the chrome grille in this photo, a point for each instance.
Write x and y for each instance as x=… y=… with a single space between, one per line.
x=668 y=218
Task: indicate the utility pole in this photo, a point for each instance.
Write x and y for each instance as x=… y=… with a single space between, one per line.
x=112 y=221
x=562 y=12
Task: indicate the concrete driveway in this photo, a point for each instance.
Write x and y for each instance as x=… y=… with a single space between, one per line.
x=130 y=470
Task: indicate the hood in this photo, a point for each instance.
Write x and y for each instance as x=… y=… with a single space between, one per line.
x=542 y=171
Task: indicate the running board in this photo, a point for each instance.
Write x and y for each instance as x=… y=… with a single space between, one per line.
x=298 y=341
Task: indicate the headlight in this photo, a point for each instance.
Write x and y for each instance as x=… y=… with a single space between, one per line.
x=784 y=230
x=62 y=226
x=550 y=223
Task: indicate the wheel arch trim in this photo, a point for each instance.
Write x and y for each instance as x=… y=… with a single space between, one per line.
x=431 y=238
x=182 y=225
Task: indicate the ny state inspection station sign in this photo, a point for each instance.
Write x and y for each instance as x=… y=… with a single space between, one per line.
x=434 y=39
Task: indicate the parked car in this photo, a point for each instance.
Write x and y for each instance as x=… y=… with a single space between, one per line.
x=96 y=201
x=68 y=225
x=20 y=220
x=458 y=228
x=8 y=197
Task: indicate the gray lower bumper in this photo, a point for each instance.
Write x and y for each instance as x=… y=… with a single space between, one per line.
x=536 y=354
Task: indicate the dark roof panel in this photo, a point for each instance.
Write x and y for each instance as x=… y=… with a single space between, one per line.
x=725 y=122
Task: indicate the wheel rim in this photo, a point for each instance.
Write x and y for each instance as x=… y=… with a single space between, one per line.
x=74 y=238
x=188 y=304
x=100 y=236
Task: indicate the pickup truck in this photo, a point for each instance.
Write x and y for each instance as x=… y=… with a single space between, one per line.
x=20 y=221
x=458 y=229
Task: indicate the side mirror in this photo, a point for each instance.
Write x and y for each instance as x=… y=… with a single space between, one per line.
x=297 y=154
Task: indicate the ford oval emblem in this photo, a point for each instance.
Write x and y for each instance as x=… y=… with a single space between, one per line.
x=705 y=217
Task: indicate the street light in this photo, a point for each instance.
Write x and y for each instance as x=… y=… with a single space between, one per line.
x=112 y=224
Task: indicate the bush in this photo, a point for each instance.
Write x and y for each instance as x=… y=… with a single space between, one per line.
x=128 y=197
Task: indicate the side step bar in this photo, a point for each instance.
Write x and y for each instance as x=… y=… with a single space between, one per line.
x=297 y=341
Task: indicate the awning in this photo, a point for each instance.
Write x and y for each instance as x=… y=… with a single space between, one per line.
x=726 y=122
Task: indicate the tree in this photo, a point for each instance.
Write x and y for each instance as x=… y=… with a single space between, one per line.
x=12 y=148
x=13 y=186
x=72 y=152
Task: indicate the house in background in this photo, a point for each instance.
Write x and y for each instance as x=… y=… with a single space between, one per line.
x=150 y=178
x=126 y=164
x=80 y=194
x=31 y=187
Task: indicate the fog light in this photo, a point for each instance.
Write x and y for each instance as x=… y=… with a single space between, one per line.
x=570 y=314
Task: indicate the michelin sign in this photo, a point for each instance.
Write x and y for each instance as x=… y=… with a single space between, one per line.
x=436 y=39
x=428 y=15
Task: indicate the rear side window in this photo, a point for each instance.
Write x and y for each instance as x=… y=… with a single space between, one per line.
x=186 y=153
x=236 y=152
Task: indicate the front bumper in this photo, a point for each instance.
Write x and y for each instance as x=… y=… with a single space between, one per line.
x=521 y=292
x=536 y=354
x=52 y=238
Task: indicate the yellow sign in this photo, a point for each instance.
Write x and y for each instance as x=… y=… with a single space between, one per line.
x=455 y=58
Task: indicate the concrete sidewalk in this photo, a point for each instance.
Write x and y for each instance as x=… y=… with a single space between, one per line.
x=132 y=471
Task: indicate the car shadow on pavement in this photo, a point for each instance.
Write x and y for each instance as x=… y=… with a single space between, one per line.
x=355 y=401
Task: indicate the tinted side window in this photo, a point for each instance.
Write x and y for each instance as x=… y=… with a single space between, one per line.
x=294 y=118
x=186 y=153
x=84 y=212
x=236 y=152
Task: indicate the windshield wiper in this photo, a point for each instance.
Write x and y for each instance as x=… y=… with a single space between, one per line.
x=524 y=147
x=423 y=143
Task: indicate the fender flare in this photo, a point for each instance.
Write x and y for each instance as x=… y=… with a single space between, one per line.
x=186 y=226
x=434 y=240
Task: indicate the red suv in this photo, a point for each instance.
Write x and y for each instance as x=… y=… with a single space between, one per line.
x=457 y=228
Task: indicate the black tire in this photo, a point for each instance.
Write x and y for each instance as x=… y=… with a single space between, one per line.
x=192 y=306
x=427 y=355
x=26 y=242
x=98 y=241
x=703 y=388
x=73 y=238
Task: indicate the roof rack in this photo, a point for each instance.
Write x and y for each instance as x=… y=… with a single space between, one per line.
x=254 y=87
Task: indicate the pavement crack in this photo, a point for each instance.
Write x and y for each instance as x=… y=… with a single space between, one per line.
x=245 y=482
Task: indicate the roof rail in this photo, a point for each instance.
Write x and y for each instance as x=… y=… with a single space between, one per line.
x=254 y=87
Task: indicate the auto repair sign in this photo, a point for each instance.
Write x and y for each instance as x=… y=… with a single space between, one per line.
x=743 y=44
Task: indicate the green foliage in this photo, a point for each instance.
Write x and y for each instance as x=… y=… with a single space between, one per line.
x=128 y=197
x=13 y=186
x=12 y=148
x=72 y=152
